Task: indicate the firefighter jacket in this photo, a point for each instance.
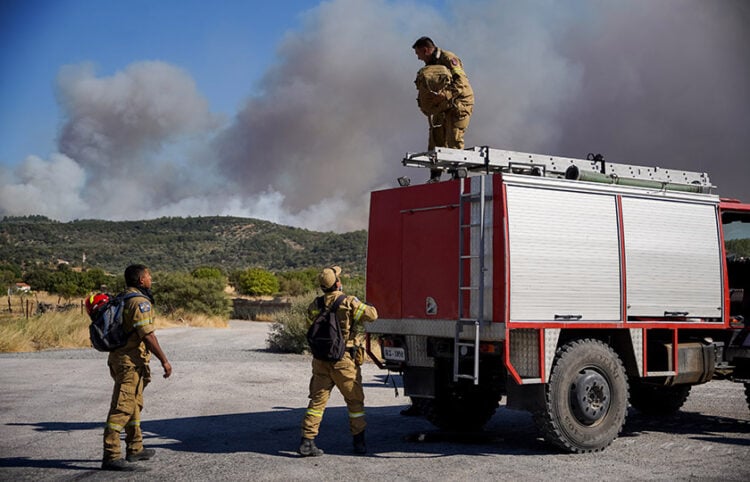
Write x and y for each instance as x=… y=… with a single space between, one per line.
x=462 y=93
x=351 y=311
x=138 y=320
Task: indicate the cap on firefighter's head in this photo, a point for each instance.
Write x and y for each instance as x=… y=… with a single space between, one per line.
x=94 y=302
x=328 y=277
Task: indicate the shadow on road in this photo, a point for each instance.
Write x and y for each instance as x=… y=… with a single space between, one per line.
x=389 y=434
x=82 y=464
x=706 y=428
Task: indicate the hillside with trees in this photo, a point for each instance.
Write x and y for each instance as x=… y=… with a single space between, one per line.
x=176 y=244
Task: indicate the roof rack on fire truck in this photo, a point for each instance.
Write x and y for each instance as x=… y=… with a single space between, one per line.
x=482 y=159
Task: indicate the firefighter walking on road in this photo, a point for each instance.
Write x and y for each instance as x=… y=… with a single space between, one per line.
x=345 y=373
x=129 y=367
x=448 y=126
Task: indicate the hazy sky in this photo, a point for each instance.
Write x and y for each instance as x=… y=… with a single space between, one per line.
x=293 y=111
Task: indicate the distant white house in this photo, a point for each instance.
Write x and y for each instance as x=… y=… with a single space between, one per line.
x=18 y=288
x=23 y=287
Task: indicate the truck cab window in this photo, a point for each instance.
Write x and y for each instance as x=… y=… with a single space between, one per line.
x=736 y=226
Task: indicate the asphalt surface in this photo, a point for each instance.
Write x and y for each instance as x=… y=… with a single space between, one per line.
x=232 y=411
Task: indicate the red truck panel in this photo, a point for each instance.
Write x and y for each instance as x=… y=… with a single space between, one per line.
x=412 y=250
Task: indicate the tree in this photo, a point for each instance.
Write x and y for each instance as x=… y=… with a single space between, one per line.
x=298 y=282
x=7 y=278
x=205 y=272
x=258 y=282
x=69 y=289
x=182 y=291
x=94 y=279
x=40 y=279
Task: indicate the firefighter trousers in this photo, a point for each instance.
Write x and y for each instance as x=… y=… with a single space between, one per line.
x=447 y=130
x=347 y=377
x=125 y=410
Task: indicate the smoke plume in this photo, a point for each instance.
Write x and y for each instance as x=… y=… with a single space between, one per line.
x=654 y=83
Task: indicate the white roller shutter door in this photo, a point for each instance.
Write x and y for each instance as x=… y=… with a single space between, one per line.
x=672 y=258
x=564 y=255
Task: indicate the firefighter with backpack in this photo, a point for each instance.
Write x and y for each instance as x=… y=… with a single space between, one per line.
x=327 y=370
x=444 y=96
x=129 y=367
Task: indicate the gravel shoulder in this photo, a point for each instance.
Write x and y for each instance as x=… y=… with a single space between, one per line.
x=232 y=411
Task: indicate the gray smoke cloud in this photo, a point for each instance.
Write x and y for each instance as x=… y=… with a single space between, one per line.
x=655 y=83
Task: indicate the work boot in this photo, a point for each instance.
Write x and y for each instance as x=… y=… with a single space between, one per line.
x=144 y=454
x=119 y=465
x=307 y=448
x=359 y=443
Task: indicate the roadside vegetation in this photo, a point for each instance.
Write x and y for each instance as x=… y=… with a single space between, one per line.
x=51 y=314
x=68 y=326
x=288 y=333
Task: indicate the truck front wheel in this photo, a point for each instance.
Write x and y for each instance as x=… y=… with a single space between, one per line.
x=586 y=398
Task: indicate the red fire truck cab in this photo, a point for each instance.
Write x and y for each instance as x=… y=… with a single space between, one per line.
x=572 y=287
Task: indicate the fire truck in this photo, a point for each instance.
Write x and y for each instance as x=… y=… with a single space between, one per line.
x=572 y=287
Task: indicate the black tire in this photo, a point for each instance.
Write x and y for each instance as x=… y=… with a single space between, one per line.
x=747 y=394
x=461 y=409
x=586 y=398
x=657 y=399
x=461 y=406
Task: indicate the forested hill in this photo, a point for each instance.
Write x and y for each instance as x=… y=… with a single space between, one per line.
x=177 y=244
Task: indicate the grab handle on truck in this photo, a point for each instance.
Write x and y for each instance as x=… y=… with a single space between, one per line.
x=676 y=313
x=568 y=317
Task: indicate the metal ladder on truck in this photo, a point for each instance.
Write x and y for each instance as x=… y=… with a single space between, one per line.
x=460 y=163
x=471 y=229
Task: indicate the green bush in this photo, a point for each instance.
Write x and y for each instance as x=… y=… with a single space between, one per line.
x=207 y=272
x=258 y=282
x=182 y=291
x=288 y=333
x=295 y=283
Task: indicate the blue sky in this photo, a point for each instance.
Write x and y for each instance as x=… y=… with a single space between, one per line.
x=225 y=45
x=294 y=111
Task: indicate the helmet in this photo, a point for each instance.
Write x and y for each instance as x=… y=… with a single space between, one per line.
x=95 y=302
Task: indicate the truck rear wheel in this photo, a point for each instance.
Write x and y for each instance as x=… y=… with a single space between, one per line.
x=462 y=406
x=658 y=399
x=461 y=409
x=586 y=398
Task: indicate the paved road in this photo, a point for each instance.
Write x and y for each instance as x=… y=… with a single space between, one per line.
x=232 y=411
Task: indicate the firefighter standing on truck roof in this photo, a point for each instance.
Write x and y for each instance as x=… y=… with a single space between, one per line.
x=344 y=374
x=129 y=369
x=449 y=132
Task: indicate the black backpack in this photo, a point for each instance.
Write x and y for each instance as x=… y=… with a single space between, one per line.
x=324 y=335
x=106 y=330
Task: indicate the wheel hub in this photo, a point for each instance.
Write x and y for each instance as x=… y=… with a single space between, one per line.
x=590 y=396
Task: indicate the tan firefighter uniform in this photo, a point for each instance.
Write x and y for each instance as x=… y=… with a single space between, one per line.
x=345 y=374
x=130 y=370
x=456 y=120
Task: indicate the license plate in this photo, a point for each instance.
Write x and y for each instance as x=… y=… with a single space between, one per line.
x=394 y=354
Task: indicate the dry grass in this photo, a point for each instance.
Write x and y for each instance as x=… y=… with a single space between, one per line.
x=50 y=330
x=70 y=329
x=180 y=318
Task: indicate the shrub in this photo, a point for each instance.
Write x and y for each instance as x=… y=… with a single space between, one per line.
x=258 y=282
x=288 y=333
x=181 y=291
x=298 y=282
x=205 y=272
